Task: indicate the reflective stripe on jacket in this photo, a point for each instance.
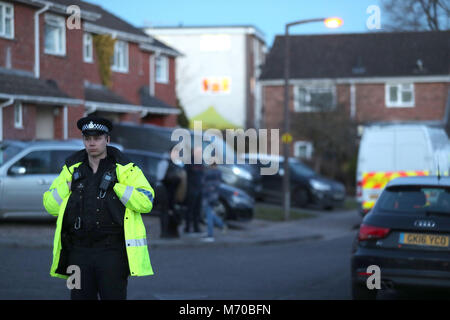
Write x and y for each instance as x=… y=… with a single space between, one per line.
x=135 y=193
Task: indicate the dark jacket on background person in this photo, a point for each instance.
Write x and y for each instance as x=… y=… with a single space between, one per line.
x=195 y=178
x=212 y=181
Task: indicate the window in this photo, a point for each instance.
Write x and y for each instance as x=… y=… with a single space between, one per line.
x=415 y=199
x=58 y=158
x=155 y=168
x=301 y=169
x=18 y=115
x=303 y=149
x=55 y=35
x=162 y=69
x=120 y=63
x=88 y=53
x=7 y=151
x=314 y=98
x=36 y=162
x=43 y=161
x=6 y=20
x=400 y=95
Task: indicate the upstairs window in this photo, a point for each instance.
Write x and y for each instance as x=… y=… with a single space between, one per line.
x=162 y=69
x=120 y=62
x=314 y=98
x=88 y=52
x=55 y=35
x=400 y=95
x=6 y=20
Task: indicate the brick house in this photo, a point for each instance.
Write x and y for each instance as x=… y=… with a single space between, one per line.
x=377 y=77
x=42 y=95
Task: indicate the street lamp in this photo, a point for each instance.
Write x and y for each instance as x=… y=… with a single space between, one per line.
x=331 y=22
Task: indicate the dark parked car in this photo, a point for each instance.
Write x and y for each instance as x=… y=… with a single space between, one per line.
x=242 y=176
x=307 y=186
x=158 y=139
x=407 y=236
x=235 y=204
x=155 y=167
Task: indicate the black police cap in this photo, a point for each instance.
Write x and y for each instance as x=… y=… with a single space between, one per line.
x=93 y=125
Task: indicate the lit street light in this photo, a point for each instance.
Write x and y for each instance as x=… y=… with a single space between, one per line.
x=331 y=22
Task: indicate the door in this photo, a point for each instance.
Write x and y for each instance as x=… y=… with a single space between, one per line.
x=45 y=123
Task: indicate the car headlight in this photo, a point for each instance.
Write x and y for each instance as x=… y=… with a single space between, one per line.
x=242 y=173
x=229 y=178
x=319 y=185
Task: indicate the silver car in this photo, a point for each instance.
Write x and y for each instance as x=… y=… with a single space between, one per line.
x=27 y=169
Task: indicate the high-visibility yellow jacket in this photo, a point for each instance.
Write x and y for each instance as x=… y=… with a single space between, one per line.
x=133 y=190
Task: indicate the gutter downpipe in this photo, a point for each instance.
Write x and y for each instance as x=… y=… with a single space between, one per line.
x=5 y=104
x=37 y=61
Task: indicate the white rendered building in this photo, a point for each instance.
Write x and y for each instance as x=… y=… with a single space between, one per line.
x=217 y=74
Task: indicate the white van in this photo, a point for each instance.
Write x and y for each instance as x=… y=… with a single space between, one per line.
x=390 y=151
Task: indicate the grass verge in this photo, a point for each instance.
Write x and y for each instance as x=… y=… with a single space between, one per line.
x=274 y=213
x=350 y=204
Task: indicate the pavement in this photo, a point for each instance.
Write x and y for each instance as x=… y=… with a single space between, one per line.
x=323 y=225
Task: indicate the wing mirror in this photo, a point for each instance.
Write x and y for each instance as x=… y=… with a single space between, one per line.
x=17 y=170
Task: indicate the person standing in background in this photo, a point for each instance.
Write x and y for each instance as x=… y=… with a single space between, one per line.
x=195 y=178
x=212 y=181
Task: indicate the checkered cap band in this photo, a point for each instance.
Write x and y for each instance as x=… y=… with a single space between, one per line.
x=95 y=126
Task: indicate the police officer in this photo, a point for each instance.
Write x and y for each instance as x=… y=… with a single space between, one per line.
x=98 y=198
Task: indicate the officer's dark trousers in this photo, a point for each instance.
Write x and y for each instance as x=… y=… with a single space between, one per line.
x=104 y=273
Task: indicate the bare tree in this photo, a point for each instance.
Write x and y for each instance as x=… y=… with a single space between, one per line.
x=416 y=15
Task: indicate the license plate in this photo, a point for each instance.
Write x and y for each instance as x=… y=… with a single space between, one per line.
x=373 y=196
x=421 y=239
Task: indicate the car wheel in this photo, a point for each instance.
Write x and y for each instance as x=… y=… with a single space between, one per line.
x=361 y=292
x=300 y=197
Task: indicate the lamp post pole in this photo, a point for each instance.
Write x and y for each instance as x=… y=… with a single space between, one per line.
x=286 y=126
x=336 y=22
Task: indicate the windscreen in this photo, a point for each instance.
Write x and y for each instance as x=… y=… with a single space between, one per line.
x=301 y=169
x=7 y=151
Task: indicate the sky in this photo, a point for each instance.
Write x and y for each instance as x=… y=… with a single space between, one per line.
x=269 y=16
